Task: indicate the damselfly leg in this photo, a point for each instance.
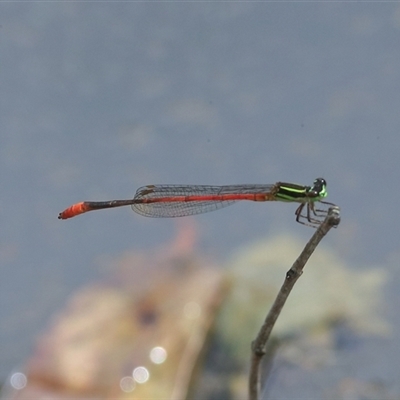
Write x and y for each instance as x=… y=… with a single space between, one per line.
x=310 y=212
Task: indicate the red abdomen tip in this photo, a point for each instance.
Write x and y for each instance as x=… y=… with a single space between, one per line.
x=74 y=210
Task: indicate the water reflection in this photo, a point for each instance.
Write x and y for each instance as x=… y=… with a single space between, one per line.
x=127 y=384
x=141 y=374
x=158 y=355
x=18 y=380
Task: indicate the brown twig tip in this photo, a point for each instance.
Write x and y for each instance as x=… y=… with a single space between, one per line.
x=334 y=216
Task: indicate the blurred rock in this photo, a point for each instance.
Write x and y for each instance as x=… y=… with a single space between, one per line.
x=138 y=336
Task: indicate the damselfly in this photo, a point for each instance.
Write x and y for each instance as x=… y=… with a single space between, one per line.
x=183 y=200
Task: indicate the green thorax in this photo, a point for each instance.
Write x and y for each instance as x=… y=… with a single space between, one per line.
x=302 y=194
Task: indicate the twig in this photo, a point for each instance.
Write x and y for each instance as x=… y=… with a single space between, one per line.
x=258 y=346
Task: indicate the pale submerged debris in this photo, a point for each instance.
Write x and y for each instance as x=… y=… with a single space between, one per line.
x=327 y=292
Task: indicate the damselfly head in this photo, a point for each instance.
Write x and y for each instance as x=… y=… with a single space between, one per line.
x=319 y=187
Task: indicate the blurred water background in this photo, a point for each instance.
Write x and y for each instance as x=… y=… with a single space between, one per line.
x=101 y=98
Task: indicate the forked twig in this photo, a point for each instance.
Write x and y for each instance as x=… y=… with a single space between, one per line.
x=331 y=220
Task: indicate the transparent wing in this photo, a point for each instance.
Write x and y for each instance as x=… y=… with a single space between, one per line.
x=182 y=200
